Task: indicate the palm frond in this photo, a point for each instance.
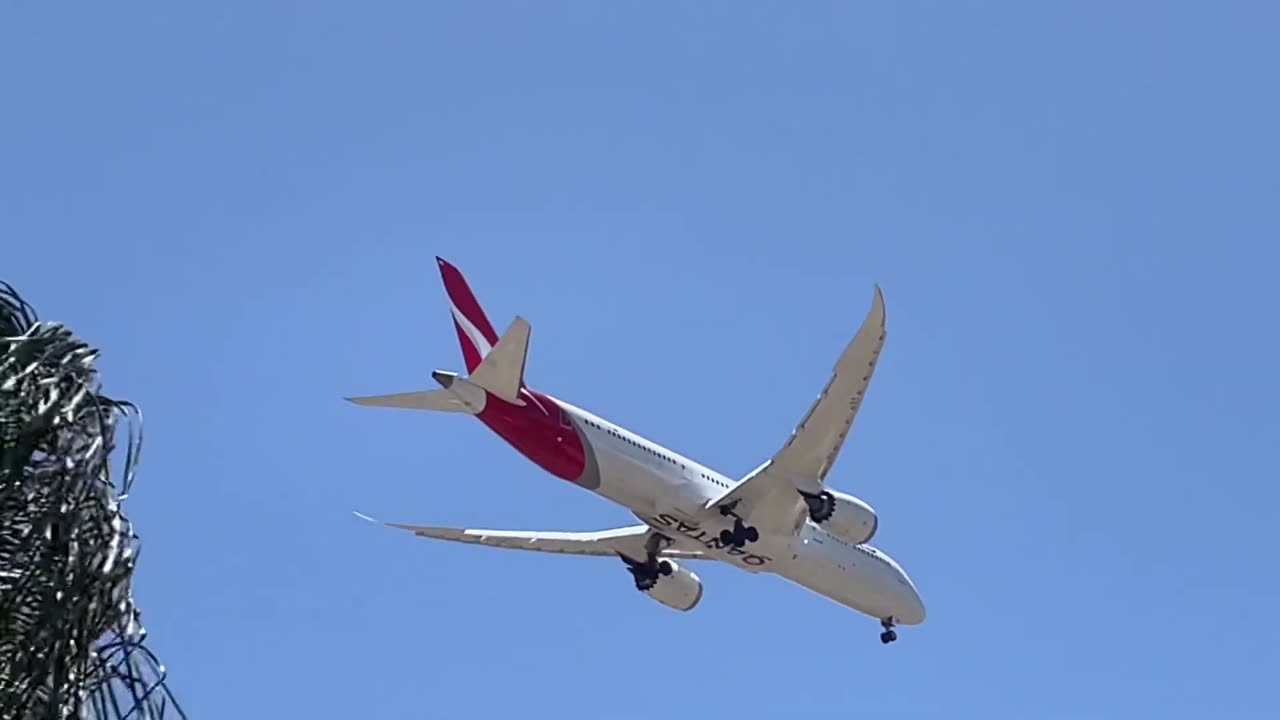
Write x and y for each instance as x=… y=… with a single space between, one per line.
x=71 y=637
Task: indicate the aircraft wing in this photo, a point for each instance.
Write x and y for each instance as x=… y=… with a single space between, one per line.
x=629 y=541
x=769 y=494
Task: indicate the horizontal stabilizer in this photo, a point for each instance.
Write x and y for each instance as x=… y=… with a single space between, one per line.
x=501 y=371
x=439 y=400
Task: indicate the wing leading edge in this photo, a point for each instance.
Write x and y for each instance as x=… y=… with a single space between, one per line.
x=627 y=541
x=768 y=495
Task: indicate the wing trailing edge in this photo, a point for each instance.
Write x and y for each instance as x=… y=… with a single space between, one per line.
x=624 y=541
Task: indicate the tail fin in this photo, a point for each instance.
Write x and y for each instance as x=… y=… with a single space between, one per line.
x=475 y=334
x=493 y=363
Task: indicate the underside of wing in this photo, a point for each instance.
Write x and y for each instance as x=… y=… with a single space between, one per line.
x=812 y=448
x=627 y=541
x=769 y=494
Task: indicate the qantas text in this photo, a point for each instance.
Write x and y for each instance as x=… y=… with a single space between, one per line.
x=708 y=538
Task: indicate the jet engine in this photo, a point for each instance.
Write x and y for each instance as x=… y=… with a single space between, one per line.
x=679 y=589
x=842 y=515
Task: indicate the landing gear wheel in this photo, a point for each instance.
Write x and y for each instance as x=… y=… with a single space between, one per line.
x=739 y=537
x=648 y=571
x=889 y=634
x=741 y=534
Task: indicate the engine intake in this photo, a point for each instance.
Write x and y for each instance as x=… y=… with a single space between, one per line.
x=843 y=515
x=679 y=589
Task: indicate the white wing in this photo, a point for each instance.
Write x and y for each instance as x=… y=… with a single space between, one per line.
x=769 y=494
x=629 y=541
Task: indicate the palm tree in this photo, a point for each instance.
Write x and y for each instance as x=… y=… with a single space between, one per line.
x=71 y=640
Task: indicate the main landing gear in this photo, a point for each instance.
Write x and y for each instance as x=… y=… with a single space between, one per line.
x=889 y=635
x=646 y=573
x=741 y=534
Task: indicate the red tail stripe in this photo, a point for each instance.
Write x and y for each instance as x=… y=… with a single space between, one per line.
x=464 y=300
x=470 y=355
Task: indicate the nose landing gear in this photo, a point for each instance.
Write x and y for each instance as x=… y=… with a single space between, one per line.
x=889 y=634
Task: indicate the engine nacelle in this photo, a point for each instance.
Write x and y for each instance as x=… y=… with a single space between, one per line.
x=843 y=515
x=680 y=590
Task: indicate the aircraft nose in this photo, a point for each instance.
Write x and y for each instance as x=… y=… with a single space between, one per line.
x=918 y=606
x=912 y=612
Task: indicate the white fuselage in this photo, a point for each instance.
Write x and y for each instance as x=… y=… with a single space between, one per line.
x=670 y=492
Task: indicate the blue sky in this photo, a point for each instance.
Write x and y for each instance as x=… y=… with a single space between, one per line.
x=1071 y=436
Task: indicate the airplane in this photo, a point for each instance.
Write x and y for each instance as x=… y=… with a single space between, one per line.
x=780 y=519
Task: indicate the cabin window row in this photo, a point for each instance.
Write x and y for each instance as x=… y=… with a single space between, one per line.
x=860 y=548
x=715 y=480
x=629 y=441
